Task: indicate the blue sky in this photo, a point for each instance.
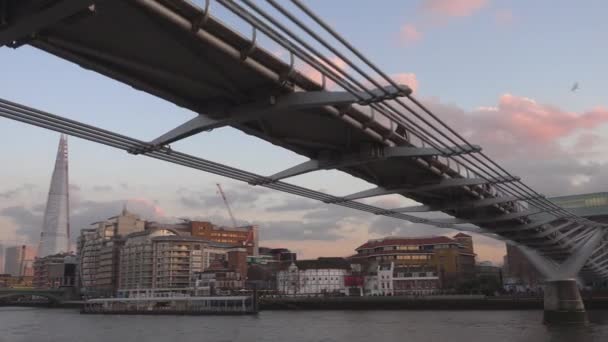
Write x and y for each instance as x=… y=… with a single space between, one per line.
x=465 y=54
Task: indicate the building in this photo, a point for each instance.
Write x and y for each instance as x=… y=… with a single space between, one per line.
x=218 y=281
x=99 y=252
x=452 y=259
x=55 y=235
x=519 y=274
x=18 y=260
x=392 y=279
x=244 y=236
x=55 y=271
x=313 y=277
x=1 y=259
x=593 y=206
x=7 y=280
x=489 y=277
x=162 y=261
x=278 y=254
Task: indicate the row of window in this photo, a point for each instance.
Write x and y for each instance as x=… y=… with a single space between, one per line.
x=405 y=257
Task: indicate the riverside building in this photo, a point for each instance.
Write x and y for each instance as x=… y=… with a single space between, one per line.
x=243 y=236
x=425 y=262
x=163 y=262
x=99 y=251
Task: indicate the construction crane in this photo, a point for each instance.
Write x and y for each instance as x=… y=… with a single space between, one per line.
x=219 y=187
x=22 y=263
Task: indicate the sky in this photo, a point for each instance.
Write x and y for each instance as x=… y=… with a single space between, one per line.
x=500 y=72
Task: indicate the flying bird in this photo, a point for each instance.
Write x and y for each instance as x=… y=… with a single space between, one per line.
x=574 y=87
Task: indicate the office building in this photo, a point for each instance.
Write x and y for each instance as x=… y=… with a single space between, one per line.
x=55 y=271
x=55 y=235
x=19 y=260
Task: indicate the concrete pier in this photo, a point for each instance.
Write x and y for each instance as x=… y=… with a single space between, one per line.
x=563 y=303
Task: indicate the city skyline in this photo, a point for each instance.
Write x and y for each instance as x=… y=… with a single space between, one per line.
x=538 y=117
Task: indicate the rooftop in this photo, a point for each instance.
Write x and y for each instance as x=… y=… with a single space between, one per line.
x=396 y=241
x=320 y=263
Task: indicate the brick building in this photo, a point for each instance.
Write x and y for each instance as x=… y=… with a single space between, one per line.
x=451 y=259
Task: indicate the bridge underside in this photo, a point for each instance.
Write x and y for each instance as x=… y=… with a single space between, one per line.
x=171 y=49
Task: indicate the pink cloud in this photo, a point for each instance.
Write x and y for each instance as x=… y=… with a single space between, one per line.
x=543 y=123
x=139 y=203
x=521 y=127
x=316 y=76
x=409 y=34
x=408 y=79
x=504 y=17
x=453 y=8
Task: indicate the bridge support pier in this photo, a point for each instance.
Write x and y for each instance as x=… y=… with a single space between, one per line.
x=563 y=303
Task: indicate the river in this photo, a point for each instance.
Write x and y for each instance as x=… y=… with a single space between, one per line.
x=18 y=324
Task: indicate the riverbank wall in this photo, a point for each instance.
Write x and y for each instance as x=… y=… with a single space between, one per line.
x=382 y=303
x=409 y=303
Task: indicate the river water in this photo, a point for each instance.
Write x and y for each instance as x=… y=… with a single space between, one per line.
x=66 y=325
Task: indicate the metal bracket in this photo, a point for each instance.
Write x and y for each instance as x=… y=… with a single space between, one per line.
x=149 y=148
x=254 y=111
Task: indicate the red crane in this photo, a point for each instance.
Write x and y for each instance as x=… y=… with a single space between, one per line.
x=219 y=187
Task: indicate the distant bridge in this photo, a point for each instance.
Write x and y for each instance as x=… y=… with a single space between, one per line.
x=368 y=126
x=53 y=295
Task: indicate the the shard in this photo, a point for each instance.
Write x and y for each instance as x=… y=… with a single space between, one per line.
x=55 y=235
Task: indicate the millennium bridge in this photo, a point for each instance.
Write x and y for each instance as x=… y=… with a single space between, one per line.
x=357 y=120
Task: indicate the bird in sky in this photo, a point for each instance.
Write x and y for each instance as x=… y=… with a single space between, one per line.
x=574 y=87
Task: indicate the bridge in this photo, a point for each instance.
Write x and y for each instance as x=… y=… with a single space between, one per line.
x=54 y=296
x=359 y=121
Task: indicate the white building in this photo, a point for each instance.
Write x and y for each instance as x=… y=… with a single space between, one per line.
x=312 y=277
x=396 y=280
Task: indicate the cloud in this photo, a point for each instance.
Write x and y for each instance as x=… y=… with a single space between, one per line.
x=312 y=73
x=243 y=196
x=298 y=230
x=409 y=34
x=296 y=204
x=12 y=193
x=408 y=79
x=550 y=148
x=102 y=188
x=453 y=8
x=28 y=221
x=504 y=17
x=437 y=13
x=518 y=123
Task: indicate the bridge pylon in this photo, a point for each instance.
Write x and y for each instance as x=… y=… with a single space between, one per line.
x=563 y=303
